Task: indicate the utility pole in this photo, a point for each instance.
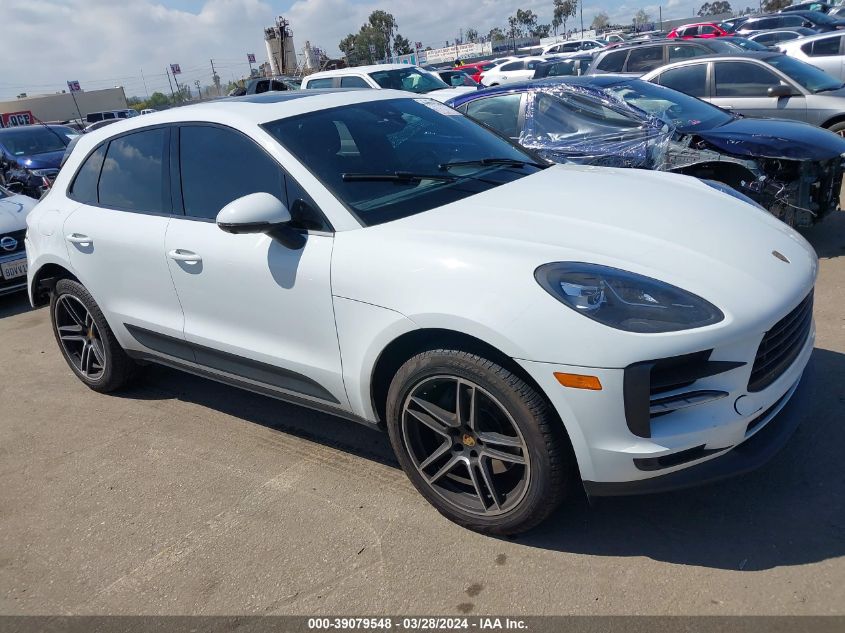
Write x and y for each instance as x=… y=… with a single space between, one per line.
x=215 y=77
x=660 y=13
x=170 y=82
x=199 y=90
x=146 y=90
x=581 y=9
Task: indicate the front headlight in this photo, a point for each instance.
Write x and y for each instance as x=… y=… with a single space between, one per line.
x=624 y=300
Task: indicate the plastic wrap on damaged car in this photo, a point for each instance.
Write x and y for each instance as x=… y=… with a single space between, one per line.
x=576 y=124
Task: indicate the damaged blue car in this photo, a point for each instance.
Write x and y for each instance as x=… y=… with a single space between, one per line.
x=792 y=169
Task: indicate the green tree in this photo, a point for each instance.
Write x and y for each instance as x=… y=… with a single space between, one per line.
x=640 y=18
x=158 y=100
x=770 y=6
x=541 y=30
x=375 y=40
x=402 y=46
x=471 y=35
x=384 y=25
x=600 y=22
x=564 y=9
x=495 y=34
x=718 y=7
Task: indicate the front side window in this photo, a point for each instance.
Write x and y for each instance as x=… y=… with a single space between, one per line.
x=512 y=66
x=707 y=30
x=613 y=62
x=741 y=79
x=353 y=82
x=404 y=156
x=500 y=113
x=220 y=165
x=691 y=80
x=644 y=59
x=134 y=172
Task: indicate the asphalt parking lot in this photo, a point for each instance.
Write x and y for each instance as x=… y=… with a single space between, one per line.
x=182 y=496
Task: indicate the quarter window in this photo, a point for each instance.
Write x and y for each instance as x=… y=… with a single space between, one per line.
x=134 y=171
x=741 y=79
x=512 y=66
x=691 y=80
x=84 y=188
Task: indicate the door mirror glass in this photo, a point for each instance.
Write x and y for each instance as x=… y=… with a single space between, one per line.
x=254 y=213
x=780 y=91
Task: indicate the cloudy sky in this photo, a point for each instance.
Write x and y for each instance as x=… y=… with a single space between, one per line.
x=103 y=43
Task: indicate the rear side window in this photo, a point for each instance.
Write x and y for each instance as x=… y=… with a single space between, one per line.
x=823 y=47
x=219 y=166
x=353 y=82
x=613 y=62
x=691 y=80
x=84 y=187
x=512 y=66
x=644 y=59
x=741 y=79
x=325 y=82
x=134 y=171
x=680 y=51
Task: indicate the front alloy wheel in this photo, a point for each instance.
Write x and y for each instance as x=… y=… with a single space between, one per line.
x=477 y=441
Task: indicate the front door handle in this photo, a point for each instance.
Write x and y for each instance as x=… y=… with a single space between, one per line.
x=181 y=255
x=78 y=238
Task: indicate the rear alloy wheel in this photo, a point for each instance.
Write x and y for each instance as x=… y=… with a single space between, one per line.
x=477 y=441
x=838 y=128
x=85 y=339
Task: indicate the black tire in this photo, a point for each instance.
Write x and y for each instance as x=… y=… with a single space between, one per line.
x=117 y=368
x=838 y=128
x=500 y=397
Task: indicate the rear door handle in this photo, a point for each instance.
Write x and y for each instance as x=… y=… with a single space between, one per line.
x=78 y=238
x=188 y=257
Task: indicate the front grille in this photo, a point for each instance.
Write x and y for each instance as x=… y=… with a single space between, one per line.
x=781 y=346
x=18 y=237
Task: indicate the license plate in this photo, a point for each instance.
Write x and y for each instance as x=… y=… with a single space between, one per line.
x=14 y=269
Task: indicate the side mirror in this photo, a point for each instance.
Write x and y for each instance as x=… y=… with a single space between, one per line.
x=779 y=91
x=260 y=213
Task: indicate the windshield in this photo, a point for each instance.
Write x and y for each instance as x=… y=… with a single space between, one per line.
x=818 y=17
x=411 y=79
x=35 y=139
x=746 y=44
x=676 y=108
x=809 y=77
x=374 y=156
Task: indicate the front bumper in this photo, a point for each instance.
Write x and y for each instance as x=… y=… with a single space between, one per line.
x=748 y=456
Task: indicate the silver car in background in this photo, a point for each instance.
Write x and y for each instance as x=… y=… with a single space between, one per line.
x=762 y=85
x=824 y=50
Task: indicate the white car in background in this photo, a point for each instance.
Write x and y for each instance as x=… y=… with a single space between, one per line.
x=521 y=69
x=14 y=209
x=825 y=51
x=573 y=46
x=386 y=77
x=516 y=327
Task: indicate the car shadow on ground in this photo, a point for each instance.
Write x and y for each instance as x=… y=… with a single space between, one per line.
x=828 y=236
x=790 y=512
x=13 y=304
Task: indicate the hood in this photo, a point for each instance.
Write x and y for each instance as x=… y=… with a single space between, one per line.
x=13 y=212
x=773 y=138
x=48 y=160
x=476 y=258
x=445 y=94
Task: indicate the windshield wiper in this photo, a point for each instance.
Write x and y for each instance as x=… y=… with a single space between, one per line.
x=396 y=176
x=486 y=162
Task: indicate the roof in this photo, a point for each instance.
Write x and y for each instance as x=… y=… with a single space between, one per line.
x=361 y=69
x=800 y=41
x=683 y=26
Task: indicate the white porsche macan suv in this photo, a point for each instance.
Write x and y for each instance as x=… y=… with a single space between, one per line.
x=515 y=327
